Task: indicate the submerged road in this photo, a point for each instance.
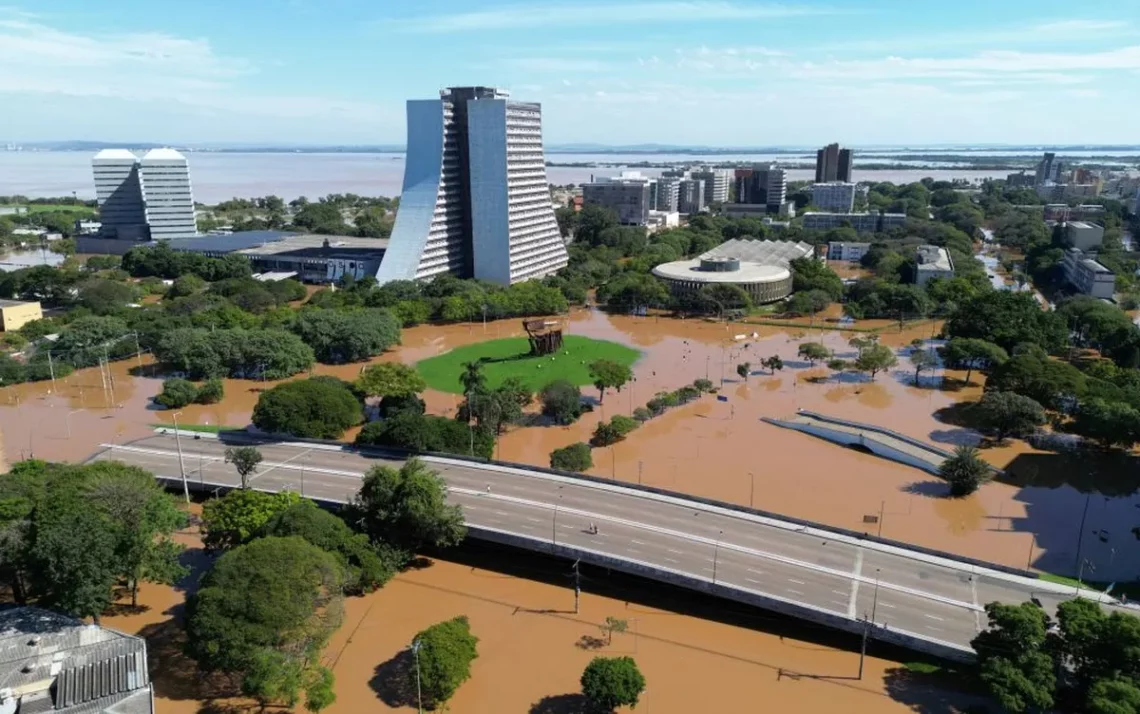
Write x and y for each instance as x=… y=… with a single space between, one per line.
x=929 y=597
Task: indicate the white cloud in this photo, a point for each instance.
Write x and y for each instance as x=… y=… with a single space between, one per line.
x=38 y=60
x=567 y=14
x=1052 y=32
x=555 y=64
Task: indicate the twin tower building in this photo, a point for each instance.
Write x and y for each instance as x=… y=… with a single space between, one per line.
x=475 y=200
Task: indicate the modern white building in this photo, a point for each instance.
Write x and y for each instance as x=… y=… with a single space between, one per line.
x=717 y=182
x=691 y=196
x=148 y=198
x=933 y=262
x=846 y=250
x=475 y=199
x=1088 y=276
x=862 y=222
x=1084 y=236
x=833 y=197
x=668 y=194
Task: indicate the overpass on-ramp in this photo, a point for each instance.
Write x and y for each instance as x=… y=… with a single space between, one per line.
x=919 y=599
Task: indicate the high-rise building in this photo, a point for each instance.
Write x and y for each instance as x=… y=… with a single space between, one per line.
x=144 y=199
x=475 y=200
x=833 y=164
x=834 y=197
x=668 y=194
x=630 y=200
x=762 y=185
x=1048 y=169
x=716 y=184
x=691 y=196
x=1136 y=207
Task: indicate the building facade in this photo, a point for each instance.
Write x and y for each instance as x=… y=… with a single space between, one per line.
x=1020 y=180
x=1048 y=169
x=933 y=262
x=833 y=164
x=1084 y=236
x=1088 y=276
x=762 y=185
x=629 y=200
x=668 y=194
x=14 y=314
x=690 y=196
x=834 y=197
x=475 y=199
x=846 y=250
x=871 y=222
x=148 y=198
x=717 y=184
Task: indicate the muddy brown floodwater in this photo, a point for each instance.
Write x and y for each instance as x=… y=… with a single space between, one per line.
x=709 y=448
x=533 y=648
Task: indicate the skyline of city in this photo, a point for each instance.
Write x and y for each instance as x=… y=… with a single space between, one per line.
x=667 y=72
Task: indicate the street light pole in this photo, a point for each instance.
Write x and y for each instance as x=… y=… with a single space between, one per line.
x=181 y=463
x=419 y=691
x=752 y=491
x=716 y=553
x=868 y=624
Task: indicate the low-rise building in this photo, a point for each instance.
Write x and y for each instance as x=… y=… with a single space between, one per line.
x=1084 y=236
x=717 y=182
x=846 y=250
x=14 y=314
x=833 y=197
x=1020 y=180
x=1088 y=276
x=54 y=663
x=933 y=262
x=630 y=200
x=1068 y=191
x=871 y=222
x=314 y=258
x=663 y=219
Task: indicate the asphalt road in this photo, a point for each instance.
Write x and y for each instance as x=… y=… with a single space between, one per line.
x=934 y=598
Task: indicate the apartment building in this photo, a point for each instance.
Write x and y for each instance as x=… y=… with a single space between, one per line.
x=833 y=197
x=1088 y=276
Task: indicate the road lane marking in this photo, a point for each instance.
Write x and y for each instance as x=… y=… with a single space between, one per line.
x=672 y=560
x=886 y=605
x=793 y=590
x=840 y=592
x=535 y=520
x=934 y=617
x=596 y=542
x=974 y=594
x=797 y=582
x=856 y=573
x=758 y=572
x=753 y=580
x=675 y=552
x=636 y=542
x=501 y=513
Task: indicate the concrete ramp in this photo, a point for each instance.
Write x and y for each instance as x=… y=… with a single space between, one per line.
x=877 y=440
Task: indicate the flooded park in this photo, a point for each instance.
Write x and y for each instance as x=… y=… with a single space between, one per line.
x=715 y=447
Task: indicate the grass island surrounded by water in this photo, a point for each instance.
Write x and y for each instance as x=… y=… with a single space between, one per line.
x=511 y=357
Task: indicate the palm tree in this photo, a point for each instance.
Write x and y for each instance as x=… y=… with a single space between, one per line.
x=472 y=378
x=964 y=471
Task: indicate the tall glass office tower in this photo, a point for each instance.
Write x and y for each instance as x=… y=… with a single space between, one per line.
x=475 y=200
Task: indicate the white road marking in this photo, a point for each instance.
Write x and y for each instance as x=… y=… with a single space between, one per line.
x=677 y=552
x=934 y=617
x=974 y=593
x=887 y=605
x=797 y=582
x=753 y=580
x=535 y=520
x=856 y=572
x=792 y=590
x=636 y=542
x=840 y=592
x=758 y=572
x=633 y=551
x=596 y=542
x=672 y=560
x=501 y=513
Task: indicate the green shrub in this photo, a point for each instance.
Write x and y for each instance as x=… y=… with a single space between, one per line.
x=176 y=393
x=642 y=414
x=576 y=457
x=319 y=408
x=211 y=392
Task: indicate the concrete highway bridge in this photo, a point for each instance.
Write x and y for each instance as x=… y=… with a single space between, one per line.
x=923 y=600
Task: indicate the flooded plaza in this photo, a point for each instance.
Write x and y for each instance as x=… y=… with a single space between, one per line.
x=711 y=448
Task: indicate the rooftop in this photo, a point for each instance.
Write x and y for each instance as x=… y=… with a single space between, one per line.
x=931 y=257
x=1083 y=225
x=303 y=241
x=117 y=154
x=767 y=252
x=748 y=273
x=1095 y=267
x=15 y=303
x=163 y=155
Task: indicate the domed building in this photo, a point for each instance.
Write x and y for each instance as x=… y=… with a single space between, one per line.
x=760 y=268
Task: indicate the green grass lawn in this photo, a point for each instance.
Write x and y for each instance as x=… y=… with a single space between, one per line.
x=1131 y=589
x=511 y=358
x=200 y=428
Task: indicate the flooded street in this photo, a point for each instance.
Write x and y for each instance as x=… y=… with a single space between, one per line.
x=711 y=448
x=696 y=654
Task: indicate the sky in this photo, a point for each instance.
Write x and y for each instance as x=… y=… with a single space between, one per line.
x=683 y=72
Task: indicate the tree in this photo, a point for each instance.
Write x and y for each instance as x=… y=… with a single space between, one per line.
x=211 y=392
x=263 y=612
x=561 y=401
x=176 y=393
x=575 y=457
x=473 y=379
x=1052 y=383
x=339 y=336
x=445 y=651
x=408 y=507
x=744 y=369
x=318 y=408
x=964 y=471
x=838 y=366
x=875 y=358
x=185 y=285
x=411 y=430
x=772 y=364
x=238 y=516
x=1114 y=696
x=813 y=352
x=390 y=379
x=1012 y=658
x=1005 y=414
x=971 y=353
x=1007 y=319
x=607 y=373
x=143 y=517
x=366 y=568
x=245 y=460
x=922 y=360
x=498 y=407
x=611 y=682
x=1109 y=423
x=809 y=274
x=612 y=625
x=105 y=297
x=703 y=385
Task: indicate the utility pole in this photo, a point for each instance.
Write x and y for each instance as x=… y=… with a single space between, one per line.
x=752 y=491
x=577 y=586
x=639 y=465
x=138 y=353
x=419 y=692
x=868 y=624
x=51 y=368
x=716 y=553
x=882 y=510
x=181 y=463
x=110 y=378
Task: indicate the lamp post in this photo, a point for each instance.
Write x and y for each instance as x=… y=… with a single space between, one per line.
x=181 y=463
x=419 y=692
x=67 y=420
x=867 y=625
x=752 y=491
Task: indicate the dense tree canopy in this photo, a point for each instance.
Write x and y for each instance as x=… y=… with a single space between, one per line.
x=251 y=354
x=611 y=682
x=318 y=408
x=240 y=515
x=408 y=507
x=445 y=652
x=338 y=336
x=1007 y=319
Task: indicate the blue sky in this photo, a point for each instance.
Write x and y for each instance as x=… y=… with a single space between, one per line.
x=708 y=72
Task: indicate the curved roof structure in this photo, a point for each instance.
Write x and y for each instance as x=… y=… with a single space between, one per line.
x=117 y=154
x=749 y=273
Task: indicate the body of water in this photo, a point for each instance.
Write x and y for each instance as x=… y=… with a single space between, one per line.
x=220 y=176
x=28 y=259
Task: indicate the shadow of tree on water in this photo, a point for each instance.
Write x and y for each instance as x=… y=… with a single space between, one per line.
x=395 y=680
x=560 y=704
x=929 y=694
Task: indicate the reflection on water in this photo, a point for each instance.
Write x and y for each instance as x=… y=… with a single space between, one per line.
x=709 y=448
x=19 y=259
